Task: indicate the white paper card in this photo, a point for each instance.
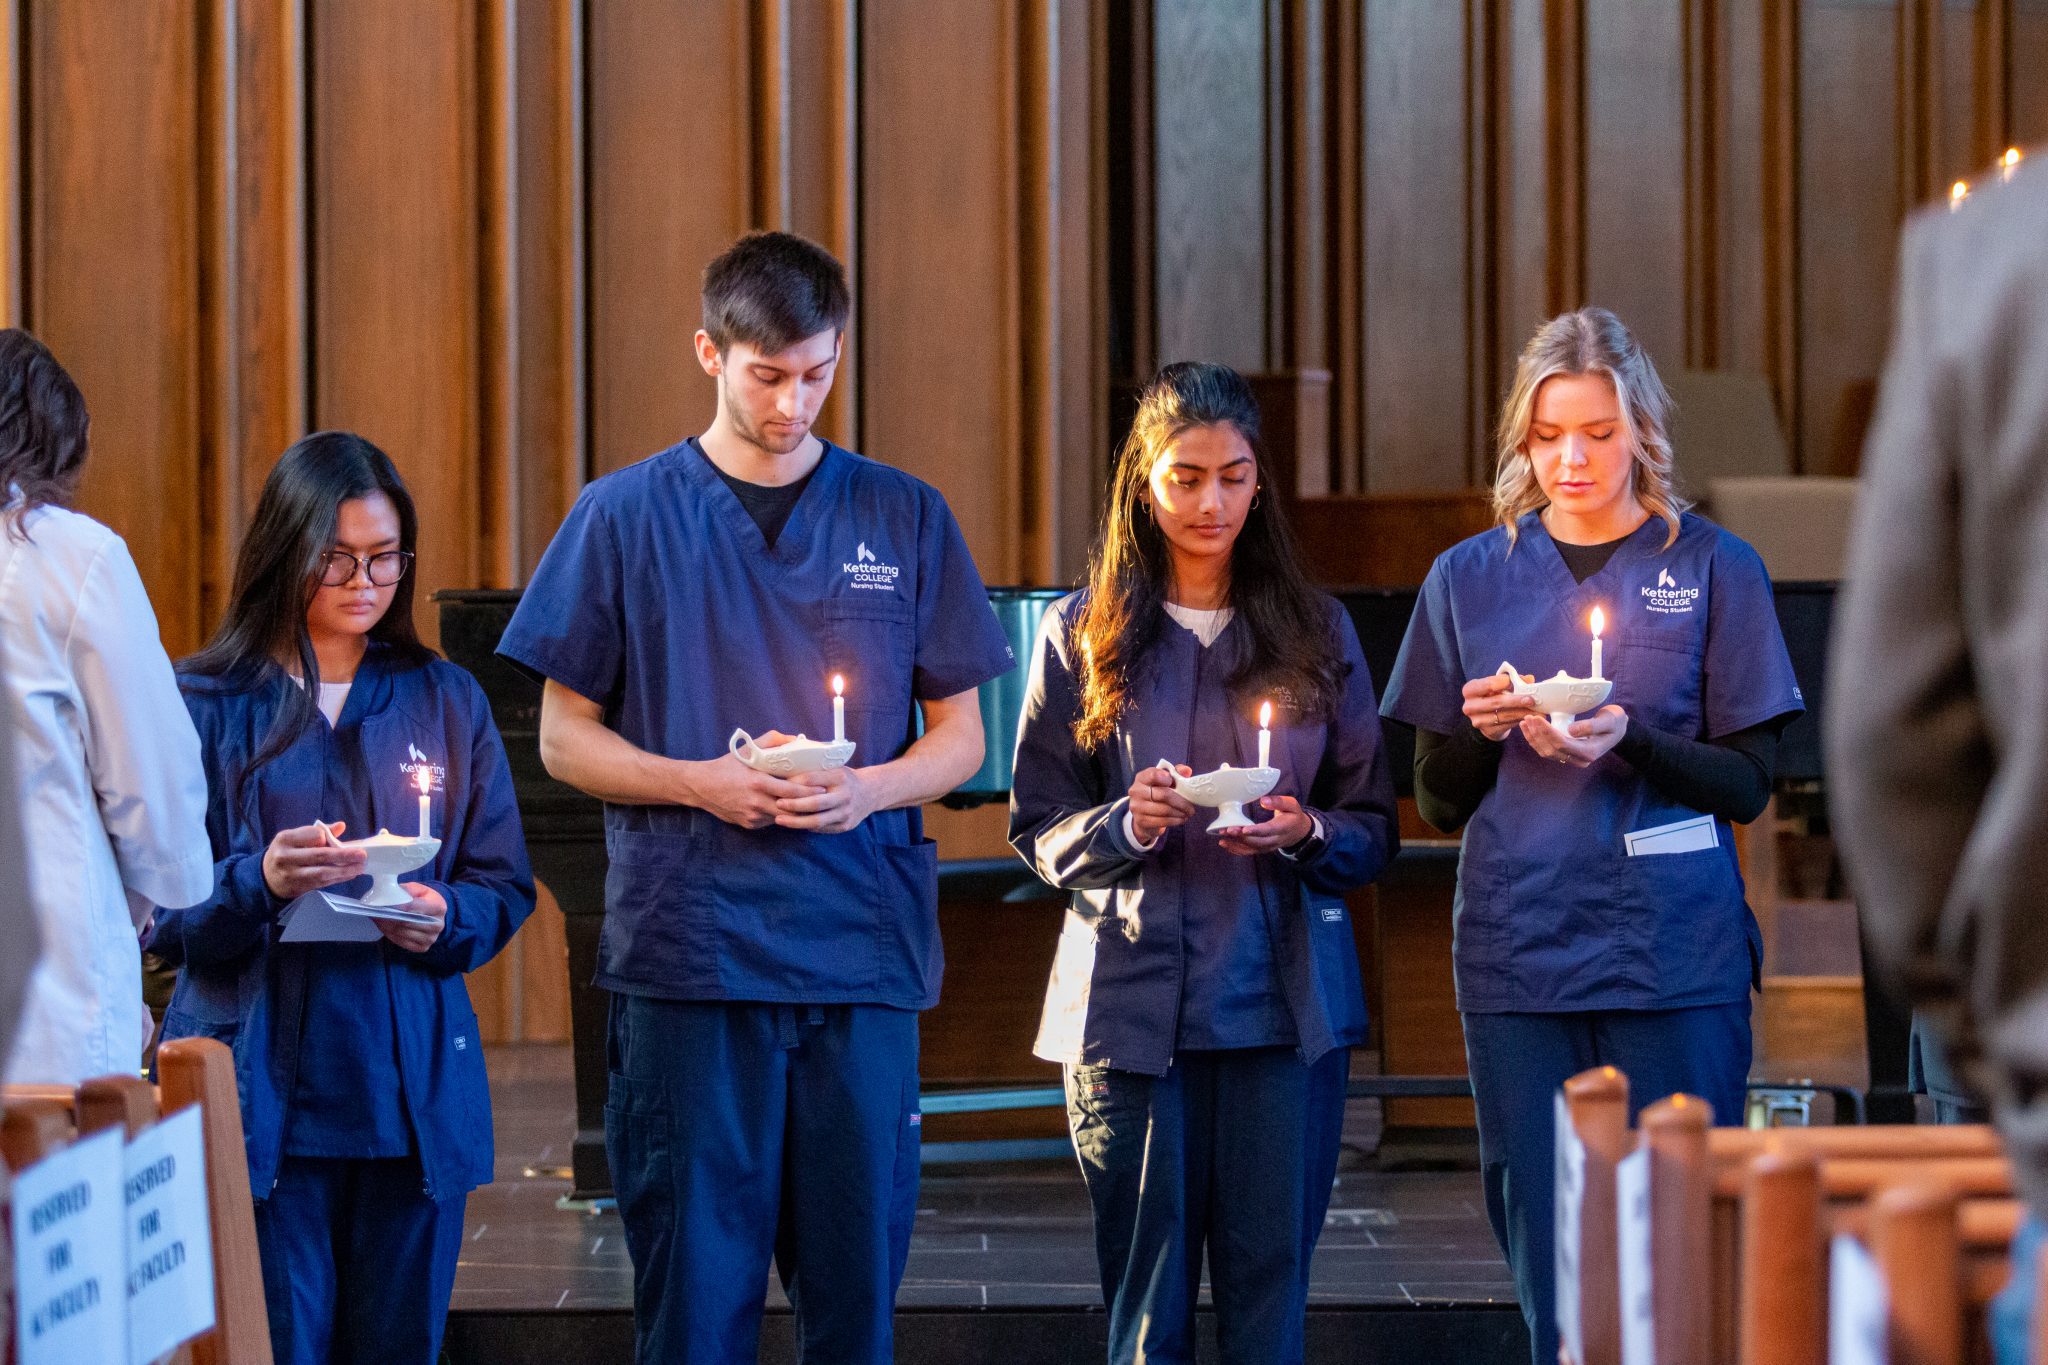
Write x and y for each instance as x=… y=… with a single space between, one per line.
x=1571 y=1190
x=1680 y=836
x=1632 y=1230
x=1858 y=1305
x=69 y=1250
x=170 y=1243
x=325 y=917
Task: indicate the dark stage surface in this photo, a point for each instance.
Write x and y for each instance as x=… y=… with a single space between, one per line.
x=1001 y=1268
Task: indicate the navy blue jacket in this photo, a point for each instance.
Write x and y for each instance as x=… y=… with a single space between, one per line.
x=1117 y=980
x=238 y=983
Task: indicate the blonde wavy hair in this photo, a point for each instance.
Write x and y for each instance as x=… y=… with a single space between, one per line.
x=1590 y=341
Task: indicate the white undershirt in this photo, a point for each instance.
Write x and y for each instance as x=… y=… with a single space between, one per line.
x=1206 y=625
x=333 y=696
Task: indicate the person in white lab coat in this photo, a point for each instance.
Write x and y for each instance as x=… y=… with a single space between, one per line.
x=107 y=776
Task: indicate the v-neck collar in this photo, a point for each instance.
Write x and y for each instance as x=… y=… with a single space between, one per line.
x=1572 y=598
x=789 y=546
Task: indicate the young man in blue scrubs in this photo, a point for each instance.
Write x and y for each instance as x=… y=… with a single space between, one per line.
x=768 y=941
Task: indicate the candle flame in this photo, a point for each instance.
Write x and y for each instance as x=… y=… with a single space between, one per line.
x=838 y=685
x=1599 y=621
x=2011 y=158
x=1265 y=714
x=421 y=776
x=1958 y=192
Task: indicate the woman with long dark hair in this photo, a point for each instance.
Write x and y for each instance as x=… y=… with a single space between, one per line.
x=111 y=792
x=359 y=1064
x=1205 y=994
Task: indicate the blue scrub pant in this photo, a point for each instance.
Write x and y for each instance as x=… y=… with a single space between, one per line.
x=1519 y=1060
x=2012 y=1311
x=358 y=1263
x=741 y=1133
x=1232 y=1150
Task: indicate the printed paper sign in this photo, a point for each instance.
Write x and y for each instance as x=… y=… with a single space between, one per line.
x=1857 y=1305
x=170 y=1245
x=1632 y=1228
x=69 y=1303
x=1571 y=1190
x=1681 y=836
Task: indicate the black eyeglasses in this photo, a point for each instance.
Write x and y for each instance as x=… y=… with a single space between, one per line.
x=339 y=567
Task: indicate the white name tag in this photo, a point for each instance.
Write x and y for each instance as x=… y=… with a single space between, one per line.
x=1680 y=836
x=1632 y=1226
x=1571 y=1190
x=170 y=1245
x=70 y=1304
x=1857 y=1305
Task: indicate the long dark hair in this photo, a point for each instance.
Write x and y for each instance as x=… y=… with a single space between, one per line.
x=1291 y=649
x=278 y=571
x=43 y=425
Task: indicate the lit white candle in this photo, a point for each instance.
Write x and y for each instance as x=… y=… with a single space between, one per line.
x=421 y=775
x=1265 y=732
x=838 y=708
x=1599 y=623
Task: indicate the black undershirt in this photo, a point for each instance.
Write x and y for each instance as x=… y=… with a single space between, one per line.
x=768 y=504
x=1729 y=777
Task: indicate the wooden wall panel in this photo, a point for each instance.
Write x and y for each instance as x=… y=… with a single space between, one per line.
x=670 y=187
x=1740 y=200
x=1636 y=164
x=2027 y=70
x=396 y=306
x=1210 y=181
x=1850 y=202
x=112 y=235
x=940 y=393
x=1415 y=221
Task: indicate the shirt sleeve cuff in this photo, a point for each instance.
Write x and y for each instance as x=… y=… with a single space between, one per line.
x=1131 y=836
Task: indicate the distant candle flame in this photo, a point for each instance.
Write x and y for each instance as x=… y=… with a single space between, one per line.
x=2011 y=158
x=838 y=686
x=1958 y=192
x=1265 y=714
x=1599 y=621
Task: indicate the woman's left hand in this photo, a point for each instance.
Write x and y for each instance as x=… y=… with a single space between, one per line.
x=1289 y=826
x=1586 y=742
x=417 y=938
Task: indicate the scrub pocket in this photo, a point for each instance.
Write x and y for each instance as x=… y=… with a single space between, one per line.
x=1336 y=957
x=1658 y=678
x=1695 y=923
x=911 y=957
x=873 y=640
x=636 y=1143
x=657 y=927
x=903 y=1194
x=1104 y=1104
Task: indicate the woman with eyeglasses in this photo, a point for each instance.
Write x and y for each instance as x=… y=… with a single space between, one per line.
x=361 y=1073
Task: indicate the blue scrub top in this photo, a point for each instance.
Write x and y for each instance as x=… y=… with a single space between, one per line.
x=1551 y=913
x=353 y=1103
x=660 y=600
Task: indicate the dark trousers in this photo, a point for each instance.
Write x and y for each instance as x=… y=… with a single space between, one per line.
x=1233 y=1152
x=358 y=1263
x=1519 y=1060
x=741 y=1133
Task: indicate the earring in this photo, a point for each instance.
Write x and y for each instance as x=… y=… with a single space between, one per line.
x=1255 y=496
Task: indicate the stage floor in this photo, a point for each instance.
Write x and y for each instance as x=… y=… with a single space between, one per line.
x=991 y=1236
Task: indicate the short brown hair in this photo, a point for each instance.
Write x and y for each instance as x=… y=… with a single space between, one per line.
x=773 y=290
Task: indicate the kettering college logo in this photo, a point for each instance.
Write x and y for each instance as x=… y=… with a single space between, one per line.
x=416 y=762
x=870 y=572
x=1668 y=597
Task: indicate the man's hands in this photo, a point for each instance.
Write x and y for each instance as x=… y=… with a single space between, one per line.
x=305 y=859
x=837 y=801
x=832 y=801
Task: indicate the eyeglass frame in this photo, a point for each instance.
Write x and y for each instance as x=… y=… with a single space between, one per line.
x=357 y=562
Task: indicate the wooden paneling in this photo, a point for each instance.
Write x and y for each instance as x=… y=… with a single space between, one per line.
x=670 y=186
x=1636 y=168
x=111 y=225
x=1415 y=243
x=2027 y=72
x=1210 y=181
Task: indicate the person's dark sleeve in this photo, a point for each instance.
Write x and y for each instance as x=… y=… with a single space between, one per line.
x=1453 y=774
x=1729 y=777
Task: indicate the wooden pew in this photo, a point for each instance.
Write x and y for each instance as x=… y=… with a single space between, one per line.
x=40 y=1119
x=1742 y=1218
